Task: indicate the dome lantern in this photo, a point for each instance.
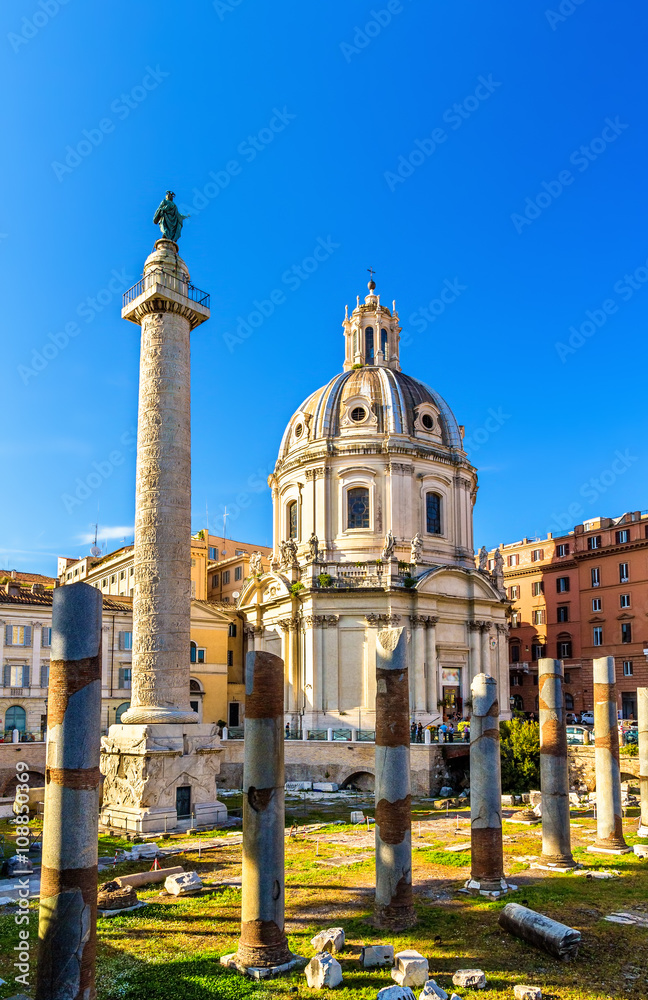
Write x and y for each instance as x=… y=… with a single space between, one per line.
x=371 y=333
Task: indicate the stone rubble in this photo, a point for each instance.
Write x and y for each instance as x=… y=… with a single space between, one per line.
x=527 y=992
x=395 y=993
x=323 y=971
x=374 y=956
x=473 y=979
x=357 y=816
x=410 y=969
x=331 y=939
x=431 y=991
x=182 y=885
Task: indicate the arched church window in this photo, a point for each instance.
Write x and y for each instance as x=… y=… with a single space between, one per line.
x=369 y=345
x=433 y=513
x=383 y=343
x=292 y=519
x=358 y=507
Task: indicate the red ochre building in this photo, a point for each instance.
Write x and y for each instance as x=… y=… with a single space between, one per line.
x=576 y=597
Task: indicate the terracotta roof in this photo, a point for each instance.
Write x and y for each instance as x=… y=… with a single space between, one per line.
x=27 y=599
x=21 y=577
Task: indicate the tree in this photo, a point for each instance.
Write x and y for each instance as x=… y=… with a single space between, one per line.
x=520 y=755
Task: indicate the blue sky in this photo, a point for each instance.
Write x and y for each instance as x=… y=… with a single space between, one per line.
x=439 y=142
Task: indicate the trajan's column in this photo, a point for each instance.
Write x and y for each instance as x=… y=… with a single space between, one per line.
x=160 y=763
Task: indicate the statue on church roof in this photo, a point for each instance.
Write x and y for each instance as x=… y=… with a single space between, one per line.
x=483 y=559
x=313 y=546
x=388 y=547
x=169 y=218
x=498 y=571
x=416 y=550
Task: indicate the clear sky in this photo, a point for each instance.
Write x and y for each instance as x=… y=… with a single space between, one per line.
x=494 y=151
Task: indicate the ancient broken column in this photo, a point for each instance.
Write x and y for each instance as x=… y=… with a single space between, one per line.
x=393 y=905
x=642 y=718
x=487 y=856
x=160 y=764
x=609 y=816
x=554 y=770
x=263 y=941
x=68 y=902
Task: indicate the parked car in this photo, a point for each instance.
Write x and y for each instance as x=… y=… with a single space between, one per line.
x=631 y=734
x=587 y=718
x=572 y=718
x=576 y=734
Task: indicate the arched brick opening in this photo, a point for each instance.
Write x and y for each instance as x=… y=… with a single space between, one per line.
x=361 y=781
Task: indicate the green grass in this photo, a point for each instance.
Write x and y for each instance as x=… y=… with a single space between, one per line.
x=170 y=948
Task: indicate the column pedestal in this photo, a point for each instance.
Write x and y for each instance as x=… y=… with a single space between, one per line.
x=145 y=765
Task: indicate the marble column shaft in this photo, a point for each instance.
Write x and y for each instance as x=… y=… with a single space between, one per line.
x=67 y=923
x=609 y=815
x=162 y=562
x=487 y=857
x=554 y=769
x=642 y=718
x=263 y=941
x=393 y=903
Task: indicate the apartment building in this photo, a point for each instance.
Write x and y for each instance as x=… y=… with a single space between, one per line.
x=575 y=597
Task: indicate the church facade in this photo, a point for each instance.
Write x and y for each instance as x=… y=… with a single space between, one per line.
x=372 y=498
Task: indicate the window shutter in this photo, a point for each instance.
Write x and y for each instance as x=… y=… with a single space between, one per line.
x=120 y=682
x=25 y=673
x=121 y=640
x=44 y=678
x=6 y=675
x=45 y=636
x=28 y=635
x=8 y=635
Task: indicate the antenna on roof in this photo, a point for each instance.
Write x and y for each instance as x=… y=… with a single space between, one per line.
x=95 y=550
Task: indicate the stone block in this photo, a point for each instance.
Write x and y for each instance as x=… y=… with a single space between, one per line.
x=641 y=850
x=331 y=939
x=357 y=816
x=325 y=786
x=527 y=992
x=410 y=969
x=446 y=792
x=374 y=956
x=144 y=852
x=508 y=800
x=147 y=878
x=395 y=993
x=535 y=797
x=473 y=979
x=182 y=885
x=432 y=991
x=323 y=971
x=299 y=786
x=19 y=866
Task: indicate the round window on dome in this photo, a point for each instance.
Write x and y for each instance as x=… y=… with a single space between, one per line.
x=427 y=421
x=358 y=414
x=299 y=430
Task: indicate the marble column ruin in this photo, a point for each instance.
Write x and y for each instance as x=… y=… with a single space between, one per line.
x=160 y=748
x=67 y=924
x=393 y=830
x=609 y=813
x=487 y=855
x=642 y=718
x=554 y=769
x=263 y=941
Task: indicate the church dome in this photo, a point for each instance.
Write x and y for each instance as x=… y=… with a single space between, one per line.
x=374 y=399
